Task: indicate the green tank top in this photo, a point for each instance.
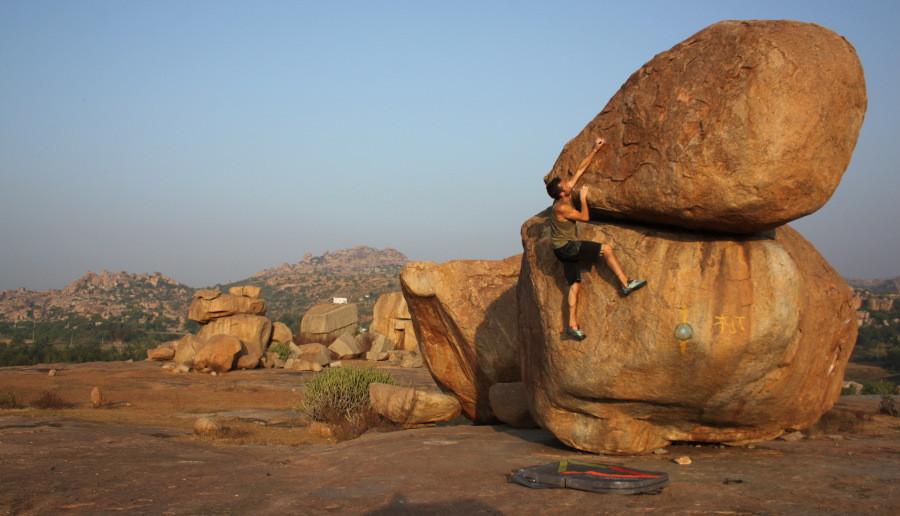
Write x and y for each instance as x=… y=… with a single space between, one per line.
x=561 y=232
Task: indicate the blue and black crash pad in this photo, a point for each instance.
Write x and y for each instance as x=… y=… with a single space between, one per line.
x=586 y=476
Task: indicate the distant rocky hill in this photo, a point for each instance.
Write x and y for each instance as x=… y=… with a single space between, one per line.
x=359 y=274
x=878 y=286
x=136 y=298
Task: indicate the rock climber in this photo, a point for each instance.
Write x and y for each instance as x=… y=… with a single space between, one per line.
x=571 y=251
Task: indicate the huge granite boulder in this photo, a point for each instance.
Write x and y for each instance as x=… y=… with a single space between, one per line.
x=733 y=340
x=327 y=321
x=254 y=332
x=465 y=317
x=204 y=310
x=742 y=127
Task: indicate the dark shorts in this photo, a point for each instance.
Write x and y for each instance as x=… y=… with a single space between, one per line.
x=575 y=252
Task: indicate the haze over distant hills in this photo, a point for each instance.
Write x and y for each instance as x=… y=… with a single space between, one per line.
x=359 y=273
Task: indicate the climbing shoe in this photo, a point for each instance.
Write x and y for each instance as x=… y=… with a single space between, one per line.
x=632 y=286
x=575 y=333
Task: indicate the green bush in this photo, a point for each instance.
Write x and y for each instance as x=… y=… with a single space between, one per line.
x=341 y=394
x=882 y=387
x=281 y=349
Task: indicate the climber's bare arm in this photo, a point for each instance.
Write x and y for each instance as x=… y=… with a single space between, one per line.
x=598 y=144
x=565 y=210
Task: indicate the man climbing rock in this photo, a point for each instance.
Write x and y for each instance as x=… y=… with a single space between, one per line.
x=571 y=251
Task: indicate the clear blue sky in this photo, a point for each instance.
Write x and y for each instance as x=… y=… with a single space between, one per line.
x=209 y=140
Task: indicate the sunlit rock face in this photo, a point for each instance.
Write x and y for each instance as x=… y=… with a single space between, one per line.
x=771 y=327
x=742 y=127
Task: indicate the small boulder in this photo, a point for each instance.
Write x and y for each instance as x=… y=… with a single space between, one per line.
x=52 y=372
x=163 y=352
x=412 y=359
x=281 y=333
x=316 y=353
x=409 y=406
x=381 y=344
x=792 y=436
x=854 y=388
x=185 y=350
x=300 y=364
x=250 y=291
x=345 y=346
x=217 y=355
x=682 y=461
x=208 y=427
x=376 y=356
x=96 y=398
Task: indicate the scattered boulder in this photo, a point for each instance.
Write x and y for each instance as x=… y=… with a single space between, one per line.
x=254 y=332
x=345 y=346
x=772 y=327
x=163 y=352
x=740 y=128
x=206 y=427
x=855 y=388
x=391 y=318
x=682 y=461
x=217 y=354
x=51 y=372
x=411 y=359
x=251 y=291
x=326 y=322
x=96 y=398
x=224 y=305
x=381 y=344
x=281 y=333
x=186 y=348
x=302 y=364
x=376 y=356
x=792 y=437
x=315 y=353
x=409 y=406
x=465 y=314
x=509 y=402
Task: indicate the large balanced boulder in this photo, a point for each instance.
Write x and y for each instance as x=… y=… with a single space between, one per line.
x=282 y=333
x=217 y=354
x=409 y=406
x=742 y=127
x=204 y=310
x=254 y=332
x=732 y=340
x=327 y=321
x=465 y=317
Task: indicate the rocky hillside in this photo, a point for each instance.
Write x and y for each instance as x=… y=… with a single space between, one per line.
x=359 y=274
x=138 y=298
x=877 y=286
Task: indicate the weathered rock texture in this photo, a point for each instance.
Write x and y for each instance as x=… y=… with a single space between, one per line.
x=465 y=318
x=281 y=333
x=409 y=406
x=254 y=332
x=186 y=348
x=325 y=322
x=217 y=354
x=773 y=327
x=742 y=127
x=391 y=318
x=224 y=305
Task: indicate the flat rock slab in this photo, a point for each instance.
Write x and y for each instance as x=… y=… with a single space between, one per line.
x=61 y=464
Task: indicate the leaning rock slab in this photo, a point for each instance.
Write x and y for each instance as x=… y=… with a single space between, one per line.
x=345 y=346
x=217 y=354
x=254 y=331
x=771 y=327
x=742 y=127
x=408 y=406
x=465 y=316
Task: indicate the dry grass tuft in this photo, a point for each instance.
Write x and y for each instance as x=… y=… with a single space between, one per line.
x=50 y=400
